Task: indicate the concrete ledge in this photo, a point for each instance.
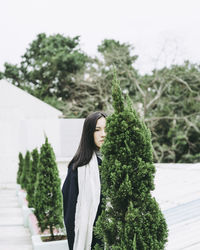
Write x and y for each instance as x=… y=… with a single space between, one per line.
x=26 y=211
x=32 y=224
x=180 y=166
x=38 y=244
x=21 y=196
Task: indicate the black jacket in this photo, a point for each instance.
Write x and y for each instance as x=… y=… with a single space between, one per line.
x=70 y=192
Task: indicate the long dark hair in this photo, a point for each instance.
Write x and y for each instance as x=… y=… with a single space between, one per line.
x=87 y=145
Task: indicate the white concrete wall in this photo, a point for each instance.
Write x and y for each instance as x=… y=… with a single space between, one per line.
x=70 y=134
x=32 y=134
x=9 y=143
x=18 y=104
x=22 y=135
x=23 y=121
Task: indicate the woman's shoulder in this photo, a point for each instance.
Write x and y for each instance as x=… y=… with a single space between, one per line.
x=71 y=168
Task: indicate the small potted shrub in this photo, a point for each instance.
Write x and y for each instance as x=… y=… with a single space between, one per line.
x=20 y=168
x=21 y=194
x=48 y=203
x=24 y=179
x=30 y=187
x=25 y=184
x=32 y=178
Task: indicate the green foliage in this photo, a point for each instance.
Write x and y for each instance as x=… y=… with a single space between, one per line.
x=32 y=178
x=48 y=67
x=117 y=54
x=121 y=57
x=131 y=216
x=134 y=242
x=48 y=197
x=1 y=75
x=93 y=89
x=20 y=167
x=12 y=72
x=24 y=180
x=54 y=69
x=172 y=112
x=118 y=102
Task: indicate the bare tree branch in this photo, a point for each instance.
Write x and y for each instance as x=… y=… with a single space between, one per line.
x=158 y=95
x=138 y=87
x=184 y=82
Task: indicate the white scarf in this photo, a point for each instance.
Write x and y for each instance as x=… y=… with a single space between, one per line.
x=87 y=204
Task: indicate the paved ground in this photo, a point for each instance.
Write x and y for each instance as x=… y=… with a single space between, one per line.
x=13 y=234
x=177 y=191
x=184 y=226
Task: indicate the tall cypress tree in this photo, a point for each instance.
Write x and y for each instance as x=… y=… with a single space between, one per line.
x=131 y=217
x=26 y=171
x=32 y=177
x=48 y=196
x=20 y=167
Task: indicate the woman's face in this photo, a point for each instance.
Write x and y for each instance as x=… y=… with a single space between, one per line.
x=99 y=133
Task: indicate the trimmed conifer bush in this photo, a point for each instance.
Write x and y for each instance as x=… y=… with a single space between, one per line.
x=48 y=196
x=32 y=177
x=131 y=217
x=24 y=180
x=20 y=168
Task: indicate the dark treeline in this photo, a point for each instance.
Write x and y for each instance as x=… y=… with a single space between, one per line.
x=57 y=71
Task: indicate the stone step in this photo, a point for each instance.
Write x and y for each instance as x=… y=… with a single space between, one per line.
x=15 y=237
x=11 y=216
x=13 y=234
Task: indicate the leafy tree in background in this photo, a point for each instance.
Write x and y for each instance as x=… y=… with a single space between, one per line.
x=20 y=167
x=24 y=180
x=55 y=70
x=121 y=56
x=93 y=91
x=131 y=218
x=32 y=178
x=170 y=99
x=48 y=197
x=48 y=67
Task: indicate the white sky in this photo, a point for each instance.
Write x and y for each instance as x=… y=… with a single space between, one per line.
x=161 y=31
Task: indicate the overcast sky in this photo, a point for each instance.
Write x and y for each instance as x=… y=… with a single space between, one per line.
x=161 y=31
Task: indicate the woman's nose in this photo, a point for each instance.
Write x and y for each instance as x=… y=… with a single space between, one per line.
x=103 y=133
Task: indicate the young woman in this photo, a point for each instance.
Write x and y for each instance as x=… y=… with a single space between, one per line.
x=81 y=189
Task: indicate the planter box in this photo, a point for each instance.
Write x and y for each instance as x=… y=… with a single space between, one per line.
x=38 y=244
x=18 y=188
x=35 y=230
x=21 y=196
x=32 y=224
x=26 y=211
